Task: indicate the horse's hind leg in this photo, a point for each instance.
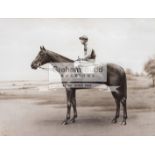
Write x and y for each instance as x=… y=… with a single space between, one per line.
x=117 y=111
x=123 y=101
x=117 y=100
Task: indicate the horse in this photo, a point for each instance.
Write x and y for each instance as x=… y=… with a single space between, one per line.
x=116 y=76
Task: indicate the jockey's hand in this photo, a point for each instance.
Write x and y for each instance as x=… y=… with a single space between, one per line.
x=79 y=59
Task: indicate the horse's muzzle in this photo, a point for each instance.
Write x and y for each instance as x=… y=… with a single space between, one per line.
x=33 y=66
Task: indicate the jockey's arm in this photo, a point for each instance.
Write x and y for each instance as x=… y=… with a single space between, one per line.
x=91 y=56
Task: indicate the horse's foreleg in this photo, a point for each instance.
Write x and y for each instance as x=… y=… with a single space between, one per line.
x=74 y=109
x=68 y=94
x=123 y=101
x=66 y=121
x=73 y=104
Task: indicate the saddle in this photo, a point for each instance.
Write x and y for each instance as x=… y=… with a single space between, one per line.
x=86 y=67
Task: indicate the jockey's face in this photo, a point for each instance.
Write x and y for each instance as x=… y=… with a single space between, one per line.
x=83 y=41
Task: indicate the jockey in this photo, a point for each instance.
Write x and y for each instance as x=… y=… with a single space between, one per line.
x=89 y=54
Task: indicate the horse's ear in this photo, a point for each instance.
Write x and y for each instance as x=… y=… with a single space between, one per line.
x=43 y=48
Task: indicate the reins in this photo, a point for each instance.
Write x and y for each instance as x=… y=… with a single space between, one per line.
x=46 y=69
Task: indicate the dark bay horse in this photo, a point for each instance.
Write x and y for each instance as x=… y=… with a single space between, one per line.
x=115 y=77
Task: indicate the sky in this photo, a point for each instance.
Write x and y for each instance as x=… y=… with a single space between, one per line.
x=127 y=42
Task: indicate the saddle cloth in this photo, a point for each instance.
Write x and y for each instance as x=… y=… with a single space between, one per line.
x=86 y=67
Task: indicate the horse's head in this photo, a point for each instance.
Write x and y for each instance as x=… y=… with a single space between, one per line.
x=41 y=59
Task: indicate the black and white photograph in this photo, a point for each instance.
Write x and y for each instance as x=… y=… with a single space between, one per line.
x=77 y=77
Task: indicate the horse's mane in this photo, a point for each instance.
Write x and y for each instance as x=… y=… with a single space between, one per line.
x=57 y=57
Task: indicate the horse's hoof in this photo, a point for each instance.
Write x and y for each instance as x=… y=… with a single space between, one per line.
x=123 y=123
x=114 y=120
x=65 y=122
x=72 y=120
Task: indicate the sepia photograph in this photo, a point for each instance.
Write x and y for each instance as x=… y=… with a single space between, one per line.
x=77 y=76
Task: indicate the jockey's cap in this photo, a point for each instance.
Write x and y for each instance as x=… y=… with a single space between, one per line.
x=84 y=37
